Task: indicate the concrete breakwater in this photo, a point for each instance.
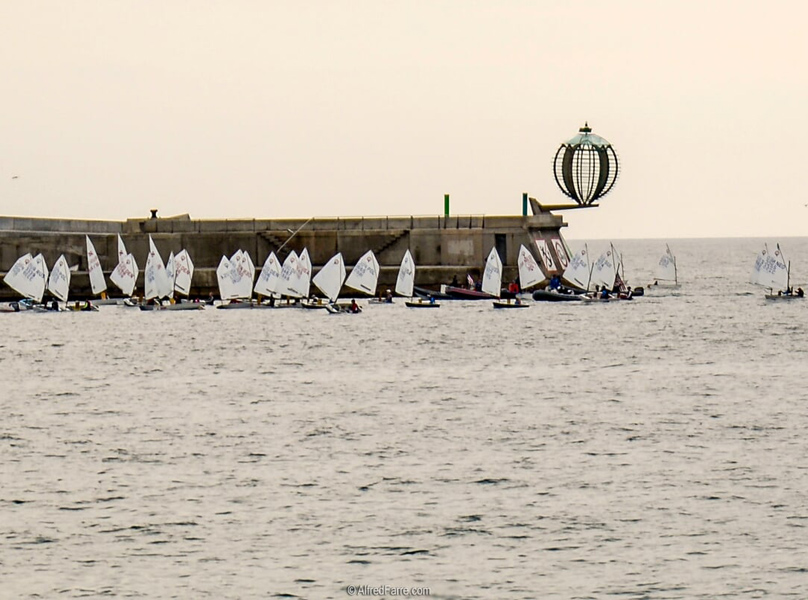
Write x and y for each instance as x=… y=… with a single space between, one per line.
x=443 y=247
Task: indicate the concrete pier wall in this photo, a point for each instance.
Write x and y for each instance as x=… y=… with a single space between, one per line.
x=442 y=247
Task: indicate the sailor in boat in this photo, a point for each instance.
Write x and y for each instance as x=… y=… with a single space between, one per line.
x=354 y=308
x=604 y=293
x=432 y=299
x=800 y=293
x=388 y=297
x=455 y=282
x=555 y=284
x=54 y=305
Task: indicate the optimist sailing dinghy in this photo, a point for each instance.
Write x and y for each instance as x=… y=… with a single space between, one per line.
x=405 y=285
x=772 y=271
x=492 y=282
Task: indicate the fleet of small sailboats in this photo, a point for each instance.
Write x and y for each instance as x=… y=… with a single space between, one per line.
x=168 y=286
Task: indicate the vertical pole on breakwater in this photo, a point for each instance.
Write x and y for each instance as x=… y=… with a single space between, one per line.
x=524 y=204
x=446 y=205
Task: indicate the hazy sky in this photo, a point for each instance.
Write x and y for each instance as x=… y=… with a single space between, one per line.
x=267 y=109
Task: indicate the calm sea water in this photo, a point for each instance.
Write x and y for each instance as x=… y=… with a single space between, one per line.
x=646 y=449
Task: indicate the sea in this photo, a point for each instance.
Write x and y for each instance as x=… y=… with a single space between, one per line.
x=652 y=449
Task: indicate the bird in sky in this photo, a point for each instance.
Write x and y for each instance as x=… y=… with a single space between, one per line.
x=15 y=176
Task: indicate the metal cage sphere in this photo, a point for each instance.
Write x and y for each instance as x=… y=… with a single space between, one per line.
x=585 y=167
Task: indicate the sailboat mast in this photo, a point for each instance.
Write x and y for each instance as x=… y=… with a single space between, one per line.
x=675 y=272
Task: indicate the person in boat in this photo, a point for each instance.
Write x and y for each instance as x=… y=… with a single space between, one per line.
x=272 y=300
x=432 y=299
x=555 y=283
x=455 y=282
x=211 y=299
x=800 y=293
x=604 y=293
x=87 y=306
x=513 y=287
x=54 y=305
x=388 y=297
x=354 y=308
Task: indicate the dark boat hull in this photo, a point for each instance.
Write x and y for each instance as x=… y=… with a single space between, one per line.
x=545 y=296
x=457 y=293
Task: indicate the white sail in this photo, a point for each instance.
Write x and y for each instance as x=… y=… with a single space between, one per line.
x=604 y=270
x=578 y=272
x=242 y=272
x=492 y=277
x=183 y=273
x=97 y=282
x=774 y=271
x=122 y=253
x=269 y=280
x=125 y=274
x=365 y=275
x=529 y=272
x=224 y=275
x=155 y=278
x=59 y=280
x=666 y=269
x=41 y=276
x=15 y=278
x=170 y=272
x=757 y=269
x=289 y=276
x=330 y=278
x=27 y=277
x=405 y=282
x=302 y=281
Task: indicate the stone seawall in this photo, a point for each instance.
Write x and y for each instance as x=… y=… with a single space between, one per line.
x=442 y=247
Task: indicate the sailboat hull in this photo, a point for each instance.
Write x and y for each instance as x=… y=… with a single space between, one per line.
x=511 y=305
x=457 y=293
x=427 y=304
x=181 y=306
x=545 y=296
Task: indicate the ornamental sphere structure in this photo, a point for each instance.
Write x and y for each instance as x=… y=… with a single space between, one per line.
x=585 y=167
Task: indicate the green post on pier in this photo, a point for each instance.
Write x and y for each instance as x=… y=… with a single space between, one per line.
x=524 y=204
x=446 y=205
